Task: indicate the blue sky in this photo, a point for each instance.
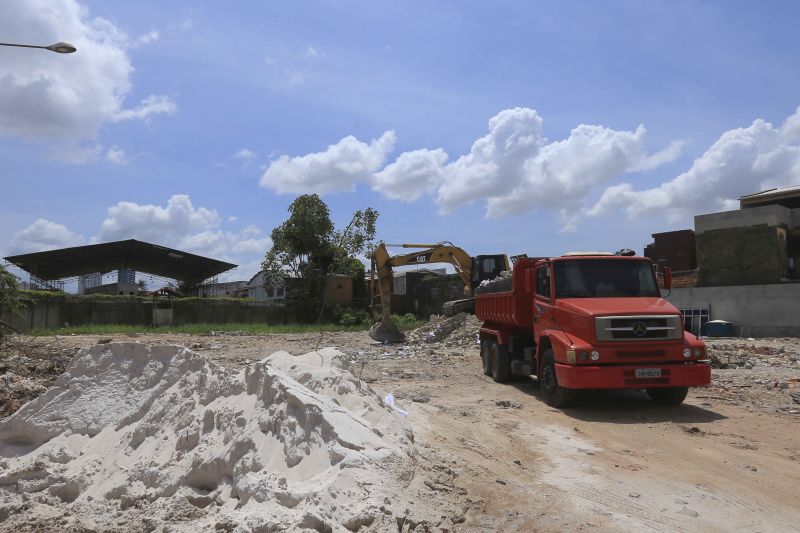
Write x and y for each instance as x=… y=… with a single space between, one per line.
x=237 y=107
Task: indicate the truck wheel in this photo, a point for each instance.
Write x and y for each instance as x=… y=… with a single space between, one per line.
x=669 y=395
x=486 y=356
x=501 y=363
x=554 y=394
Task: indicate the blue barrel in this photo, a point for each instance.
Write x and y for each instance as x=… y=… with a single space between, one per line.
x=719 y=328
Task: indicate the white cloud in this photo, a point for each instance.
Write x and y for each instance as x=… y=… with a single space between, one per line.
x=149 y=37
x=411 y=175
x=117 y=156
x=513 y=168
x=250 y=241
x=152 y=105
x=338 y=168
x=47 y=95
x=285 y=75
x=313 y=53
x=153 y=223
x=79 y=155
x=287 y=69
x=43 y=235
x=741 y=161
x=496 y=162
x=565 y=172
x=181 y=225
x=245 y=154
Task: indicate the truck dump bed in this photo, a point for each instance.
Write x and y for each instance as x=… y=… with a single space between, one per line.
x=514 y=307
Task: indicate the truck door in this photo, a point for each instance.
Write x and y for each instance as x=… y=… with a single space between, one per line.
x=542 y=304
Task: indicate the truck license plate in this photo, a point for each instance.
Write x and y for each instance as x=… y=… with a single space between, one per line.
x=648 y=373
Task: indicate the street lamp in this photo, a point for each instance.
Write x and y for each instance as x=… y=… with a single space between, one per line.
x=60 y=48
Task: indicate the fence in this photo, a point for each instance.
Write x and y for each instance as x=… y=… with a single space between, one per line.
x=51 y=313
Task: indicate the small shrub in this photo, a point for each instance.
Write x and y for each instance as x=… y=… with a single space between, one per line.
x=355 y=317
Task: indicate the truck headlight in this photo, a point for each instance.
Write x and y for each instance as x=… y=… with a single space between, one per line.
x=595 y=355
x=687 y=352
x=698 y=352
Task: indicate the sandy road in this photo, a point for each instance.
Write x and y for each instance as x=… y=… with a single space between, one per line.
x=618 y=463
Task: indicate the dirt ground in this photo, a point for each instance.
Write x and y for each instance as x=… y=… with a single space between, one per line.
x=728 y=459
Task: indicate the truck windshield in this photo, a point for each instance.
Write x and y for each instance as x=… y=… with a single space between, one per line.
x=604 y=278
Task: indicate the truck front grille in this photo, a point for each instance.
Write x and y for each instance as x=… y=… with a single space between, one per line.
x=641 y=354
x=638 y=328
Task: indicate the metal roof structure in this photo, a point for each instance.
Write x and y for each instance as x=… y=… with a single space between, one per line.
x=786 y=196
x=129 y=254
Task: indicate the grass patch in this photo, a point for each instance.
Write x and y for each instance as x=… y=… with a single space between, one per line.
x=407 y=321
x=197 y=329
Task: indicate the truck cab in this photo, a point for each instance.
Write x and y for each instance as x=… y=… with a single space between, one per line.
x=587 y=321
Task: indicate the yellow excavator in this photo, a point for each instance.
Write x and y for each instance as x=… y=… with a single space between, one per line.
x=473 y=270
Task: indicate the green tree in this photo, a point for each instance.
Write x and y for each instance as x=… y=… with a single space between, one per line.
x=307 y=249
x=8 y=295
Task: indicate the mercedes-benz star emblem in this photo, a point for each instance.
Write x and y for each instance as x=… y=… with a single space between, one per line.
x=639 y=329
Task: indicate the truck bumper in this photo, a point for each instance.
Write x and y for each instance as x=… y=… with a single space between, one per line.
x=624 y=376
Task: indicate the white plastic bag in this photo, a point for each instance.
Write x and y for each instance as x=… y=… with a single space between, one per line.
x=390 y=402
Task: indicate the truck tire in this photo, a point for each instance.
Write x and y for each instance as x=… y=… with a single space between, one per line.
x=554 y=394
x=501 y=363
x=669 y=395
x=486 y=356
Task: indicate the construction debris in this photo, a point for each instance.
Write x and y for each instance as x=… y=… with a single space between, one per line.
x=761 y=374
x=460 y=329
x=28 y=366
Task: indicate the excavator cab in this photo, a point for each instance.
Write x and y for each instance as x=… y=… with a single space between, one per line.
x=486 y=267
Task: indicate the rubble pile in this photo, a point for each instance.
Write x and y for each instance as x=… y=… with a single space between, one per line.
x=133 y=436
x=749 y=353
x=442 y=342
x=762 y=374
x=458 y=330
x=502 y=283
x=28 y=366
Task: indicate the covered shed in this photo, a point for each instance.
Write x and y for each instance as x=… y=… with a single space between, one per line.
x=185 y=267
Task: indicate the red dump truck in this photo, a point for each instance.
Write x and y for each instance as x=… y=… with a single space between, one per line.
x=586 y=321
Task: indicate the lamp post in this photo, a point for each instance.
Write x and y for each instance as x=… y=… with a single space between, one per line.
x=59 y=48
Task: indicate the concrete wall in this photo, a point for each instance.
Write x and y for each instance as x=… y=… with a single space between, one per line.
x=50 y=314
x=754 y=310
x=771 y=215
x=340 y=290
x=749 y=255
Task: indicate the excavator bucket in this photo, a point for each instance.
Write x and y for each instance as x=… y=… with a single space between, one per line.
x=386 y=332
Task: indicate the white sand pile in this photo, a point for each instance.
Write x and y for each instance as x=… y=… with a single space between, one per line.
x=155 y=437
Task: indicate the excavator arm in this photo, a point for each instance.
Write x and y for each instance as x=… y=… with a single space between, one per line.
x=382 y=279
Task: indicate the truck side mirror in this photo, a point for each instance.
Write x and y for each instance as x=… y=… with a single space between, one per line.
x=667 y=278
